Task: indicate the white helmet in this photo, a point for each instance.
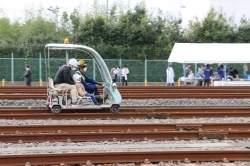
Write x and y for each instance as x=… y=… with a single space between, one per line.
x=77 y=78
x=73 y=62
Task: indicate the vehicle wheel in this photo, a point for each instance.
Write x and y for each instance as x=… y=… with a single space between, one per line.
x=56 y=109
x=115 y=109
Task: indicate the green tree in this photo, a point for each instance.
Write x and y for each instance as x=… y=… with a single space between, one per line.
x=9 y=33
x=120 y=32
x=243 y=33
x=213 y=28
x=66 y=28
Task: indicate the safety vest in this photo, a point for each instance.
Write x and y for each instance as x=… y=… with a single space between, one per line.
x=78 y=72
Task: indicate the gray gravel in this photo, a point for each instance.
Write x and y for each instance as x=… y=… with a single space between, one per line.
x=6 y=122
x=147 y=102
x=199 y=164
x=66 y=146
x=119 y=146
x=168 y=164
x=175 y=164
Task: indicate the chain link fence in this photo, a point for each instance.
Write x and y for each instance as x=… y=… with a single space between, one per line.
x=12 y=69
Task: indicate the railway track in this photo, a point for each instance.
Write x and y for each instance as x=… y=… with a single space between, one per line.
x=141 y=96
x=137 y=92
x=127 y=113
x=124 y=128
x=125 y=157
x=123 y=132
x=120 y=132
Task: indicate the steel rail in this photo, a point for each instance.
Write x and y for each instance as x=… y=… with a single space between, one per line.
x=137 y=92
x=142 y=96
x=124 y=157
x=123 y=115
x=163 y=90
x=69 y=128
x=127 y=113
x=122 y=136
x=130 y=109
x=138 y=87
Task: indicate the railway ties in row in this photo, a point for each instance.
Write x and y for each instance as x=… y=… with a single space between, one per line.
x=127 y=157
x=104 y=134
x=147 y=134
x=185 y=132
x=139 y=92
x=126 y=113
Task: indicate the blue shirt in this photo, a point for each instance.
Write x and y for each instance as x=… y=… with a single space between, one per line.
x=88 y=83
x=119 y=72
x=221 y=73
x=207 y=73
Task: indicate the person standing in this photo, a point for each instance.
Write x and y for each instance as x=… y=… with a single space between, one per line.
x=200 y=75
x=113 y=73
x=125 y=73
x=187 y=70
x=170 y=76
x=27 y=75
x=207 y=75
x=119 y=75
x=221 y=71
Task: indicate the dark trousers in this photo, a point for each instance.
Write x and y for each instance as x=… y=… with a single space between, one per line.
x=124 y=81
x=199 y=83
x=28 y=82
x=93 y=91
x=119 y=80
x=206 y=82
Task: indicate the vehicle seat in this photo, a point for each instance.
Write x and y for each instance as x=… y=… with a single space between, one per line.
x=51 y=85
x=81 y=98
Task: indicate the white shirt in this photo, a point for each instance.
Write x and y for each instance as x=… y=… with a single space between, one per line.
x=170 y=75
x=125 y=71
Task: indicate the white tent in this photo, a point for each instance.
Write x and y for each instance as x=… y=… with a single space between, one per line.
x=210 y=53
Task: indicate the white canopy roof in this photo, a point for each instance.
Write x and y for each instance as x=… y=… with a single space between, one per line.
x=210 y=53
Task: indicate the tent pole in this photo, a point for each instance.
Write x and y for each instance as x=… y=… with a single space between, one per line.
x=195 y=69
x=225 y=72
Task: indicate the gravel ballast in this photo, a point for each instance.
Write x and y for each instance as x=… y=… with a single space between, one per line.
x=147 y=102
x=119 y=146
x=5 y=122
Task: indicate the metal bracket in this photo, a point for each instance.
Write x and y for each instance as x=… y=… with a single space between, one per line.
x=159 y=116
x=213 y=135
x=189 y=127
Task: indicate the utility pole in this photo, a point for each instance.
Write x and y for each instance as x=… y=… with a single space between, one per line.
x=107 y=8
x=55 y=11
x=182 y=7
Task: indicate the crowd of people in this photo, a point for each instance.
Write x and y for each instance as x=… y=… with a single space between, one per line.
x=205 y=74
x=120 y=75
